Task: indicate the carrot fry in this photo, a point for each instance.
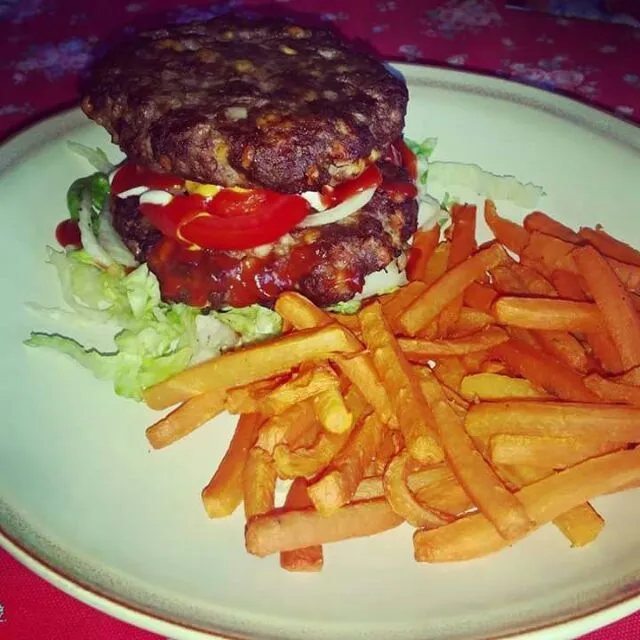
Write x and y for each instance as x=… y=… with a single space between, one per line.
x=338 y=484
x=610 y=246
x=278 y=531
x=474 y=535
x=621 y=318
x=493 y=386
x=451 y=285
x=613 y=391
x=479 y=296
x=236 y=368
x=543 y=371
x=418 y=350
x=510 y=234
x=401 y=385
x=258 y=483
x=308 y=558
x=538 y=221
x=546 y=451
x=224 y=492
x=474 y=473
x=422 y=248
x=603 y=422
x=548 y=314
x=186 y=418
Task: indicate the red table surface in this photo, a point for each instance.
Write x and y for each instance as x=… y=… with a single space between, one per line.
x=45 y=44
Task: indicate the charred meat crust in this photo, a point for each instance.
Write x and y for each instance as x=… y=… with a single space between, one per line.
x=247 y=103
x=338 y=256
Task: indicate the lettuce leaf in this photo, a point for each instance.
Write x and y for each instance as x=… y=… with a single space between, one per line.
x=253 y=323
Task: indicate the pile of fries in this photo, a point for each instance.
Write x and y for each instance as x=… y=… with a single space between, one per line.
x=489 y=396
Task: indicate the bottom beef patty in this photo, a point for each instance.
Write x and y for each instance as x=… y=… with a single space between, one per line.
x=327 y=264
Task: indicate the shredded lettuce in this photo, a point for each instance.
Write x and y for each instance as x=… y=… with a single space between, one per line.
x=423 y=151
x=253 y=323
x=96 y=157
x=348 y=308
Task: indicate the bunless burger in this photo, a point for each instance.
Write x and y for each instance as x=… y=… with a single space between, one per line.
x=262 y=157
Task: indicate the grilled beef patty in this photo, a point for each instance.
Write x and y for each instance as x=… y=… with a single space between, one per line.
x=240 y=102
x=327 y=264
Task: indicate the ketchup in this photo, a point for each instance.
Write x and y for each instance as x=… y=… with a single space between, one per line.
x=131 y=175
x=68 y=233
x=371 y=177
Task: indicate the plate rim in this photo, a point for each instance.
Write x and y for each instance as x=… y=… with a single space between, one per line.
x=594 y=118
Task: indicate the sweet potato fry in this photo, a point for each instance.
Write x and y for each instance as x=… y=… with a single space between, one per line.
x=510 y=234
x=437 y=264
x=611 y=391
x=506 y=282
x=620 y=316
x=258 y=483
x=546 y=451
x=339 y=482
x=543 y=371
x=255 y=362
x=402 y=501
x=474 y=473
x=451 y=285
x=307 y=558
x=287 y=426
x=479 y=296
x=401 y=385
x=331 y=411
x=539 y=221
x=422 y=248
x=493 y=386
x=603 y=422
x=548 y=253
x=186 y=418
x=419 y=350
x=474 y=535
x=548 y=314
x=283 y=531
x=609 y=246
x=224 y=492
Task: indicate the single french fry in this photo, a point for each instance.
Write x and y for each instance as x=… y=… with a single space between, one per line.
x=474 y=473
x=548 y=253
x=419 y=350
x=567 y=349
x=493 y=386
x=602 y=422
x=510 y=234
x=479 y=296
x=224 y=492
x=401 y=385
x=186 y=418
x=300 y=311
x=245 y=399
x=255 y=362
x=306 y=385
x=506 y=282
x=470 y=321
x=611 y=391
x=308 y=558
x=546 y=451
x=437 y=264
x=535 y=283
x=620 y=316
x=402 y=500
x=539 y=221
x=331 y=410
x=543 y=371
x=422 y=248
x=287 y=426
x=401 y=299
x=258 y=483
x=445 y=290
x=609 y=246
x=450 y=371
x=548 y=314
x=346 y=320
x=339 y=482
x=474 y=535
x=288 y=530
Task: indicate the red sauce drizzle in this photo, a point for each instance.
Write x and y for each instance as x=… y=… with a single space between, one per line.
x=131 y=175
x=370 y=177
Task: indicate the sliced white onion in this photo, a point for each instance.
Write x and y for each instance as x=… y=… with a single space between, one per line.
x=111 y=242
x=134 y=191
x=340 y=211
x=314 y=198
x=89 y=241
x=379 y=282
x=156 y=196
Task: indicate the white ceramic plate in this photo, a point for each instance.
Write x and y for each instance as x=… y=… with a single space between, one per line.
x=87 y=505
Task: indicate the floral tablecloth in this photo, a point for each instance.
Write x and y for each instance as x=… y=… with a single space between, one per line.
x=46 y=44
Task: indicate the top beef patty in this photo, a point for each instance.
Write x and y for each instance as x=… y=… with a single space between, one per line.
x=247 y=103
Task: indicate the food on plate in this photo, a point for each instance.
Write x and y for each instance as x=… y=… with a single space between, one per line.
x=486 y=431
